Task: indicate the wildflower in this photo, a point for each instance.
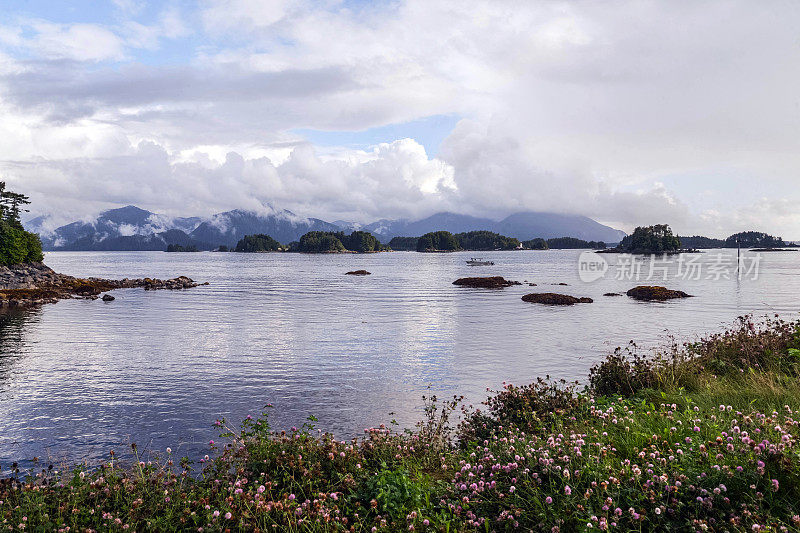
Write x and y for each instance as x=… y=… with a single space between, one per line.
x=548 y=500
x=567 y=490
x=228 y=516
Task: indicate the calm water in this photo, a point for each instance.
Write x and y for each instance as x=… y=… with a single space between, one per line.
x=79 y=378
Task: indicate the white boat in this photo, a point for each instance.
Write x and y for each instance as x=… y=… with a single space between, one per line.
x=477 y=261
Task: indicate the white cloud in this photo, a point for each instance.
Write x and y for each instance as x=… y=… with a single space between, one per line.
x=631 y=112
x=81 y=42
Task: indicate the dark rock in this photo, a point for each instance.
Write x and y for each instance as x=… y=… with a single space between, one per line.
x=657 y=293
x=491 y=282
x=551 y=298
x=35 y=284
x=613 y=294
x=358 y=273
x=108 y=298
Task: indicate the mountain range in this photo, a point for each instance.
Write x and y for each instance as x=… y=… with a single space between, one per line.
x=132 y=228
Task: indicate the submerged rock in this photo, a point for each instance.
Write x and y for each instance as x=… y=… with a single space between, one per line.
x=613 y=294
x=551 y=298
x=657 y=293
x=357 y=273
x=490 y=282
x=108 y=298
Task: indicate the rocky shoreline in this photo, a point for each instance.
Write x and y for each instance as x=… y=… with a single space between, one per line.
x=34 y=284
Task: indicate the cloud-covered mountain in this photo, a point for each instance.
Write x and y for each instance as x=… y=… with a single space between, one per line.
x=132 y=228
x=283 y=226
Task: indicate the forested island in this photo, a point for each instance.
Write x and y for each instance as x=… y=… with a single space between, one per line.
x=181 y=248
x=257 y=243
x=486 y=241
x=659 y=239
x=744 y=239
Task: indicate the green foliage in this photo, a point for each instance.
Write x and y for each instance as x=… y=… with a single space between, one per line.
x=404 y=244
x=536 y=244
x=257 y=243
x=571 y=243
x=18 y=246
x=754 y=239
x=486 y=240
x=328 y=241
x=361 y=241
x=651 y=239
x=321 y=242
x=181 y=248
x=395 y=491
x=438 y=241
x=700 y=242
x=623 y=373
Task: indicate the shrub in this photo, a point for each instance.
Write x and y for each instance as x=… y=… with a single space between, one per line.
x=622 y=373
x=531 y=408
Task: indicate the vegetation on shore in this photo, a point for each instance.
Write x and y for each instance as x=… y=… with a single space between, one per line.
x=257 y=243
x=571 y=243
x=696 y=437
x=485 y=241
x=745 y=239
x=438 y=241
x=536 y=244
x=332 y=242
x=16 y=245
x=404 y=244
x=182 y=248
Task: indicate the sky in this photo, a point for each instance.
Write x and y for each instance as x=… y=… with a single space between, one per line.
x=684 y=112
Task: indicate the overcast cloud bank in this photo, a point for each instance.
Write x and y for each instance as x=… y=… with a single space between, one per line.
x=627 y=112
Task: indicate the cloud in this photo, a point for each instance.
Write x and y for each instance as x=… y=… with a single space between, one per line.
x=310 y=185
x=80 y=42
x=630 y=112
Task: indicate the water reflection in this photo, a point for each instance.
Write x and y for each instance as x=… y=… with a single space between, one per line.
x=12 y=338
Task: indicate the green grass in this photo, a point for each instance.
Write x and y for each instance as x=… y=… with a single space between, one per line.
x=704 y=438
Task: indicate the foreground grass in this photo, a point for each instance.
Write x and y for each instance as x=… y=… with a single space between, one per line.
x=703 y=437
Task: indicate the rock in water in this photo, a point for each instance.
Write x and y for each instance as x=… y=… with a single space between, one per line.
x=491 y=282
x=649 y=293
x=612 y=294
x=357 y=273
x=108 y=298
x=551 y=298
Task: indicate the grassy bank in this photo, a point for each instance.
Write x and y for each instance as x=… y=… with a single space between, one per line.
x=699 y=437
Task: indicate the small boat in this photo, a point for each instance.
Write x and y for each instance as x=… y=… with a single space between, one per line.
x=477 y=261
